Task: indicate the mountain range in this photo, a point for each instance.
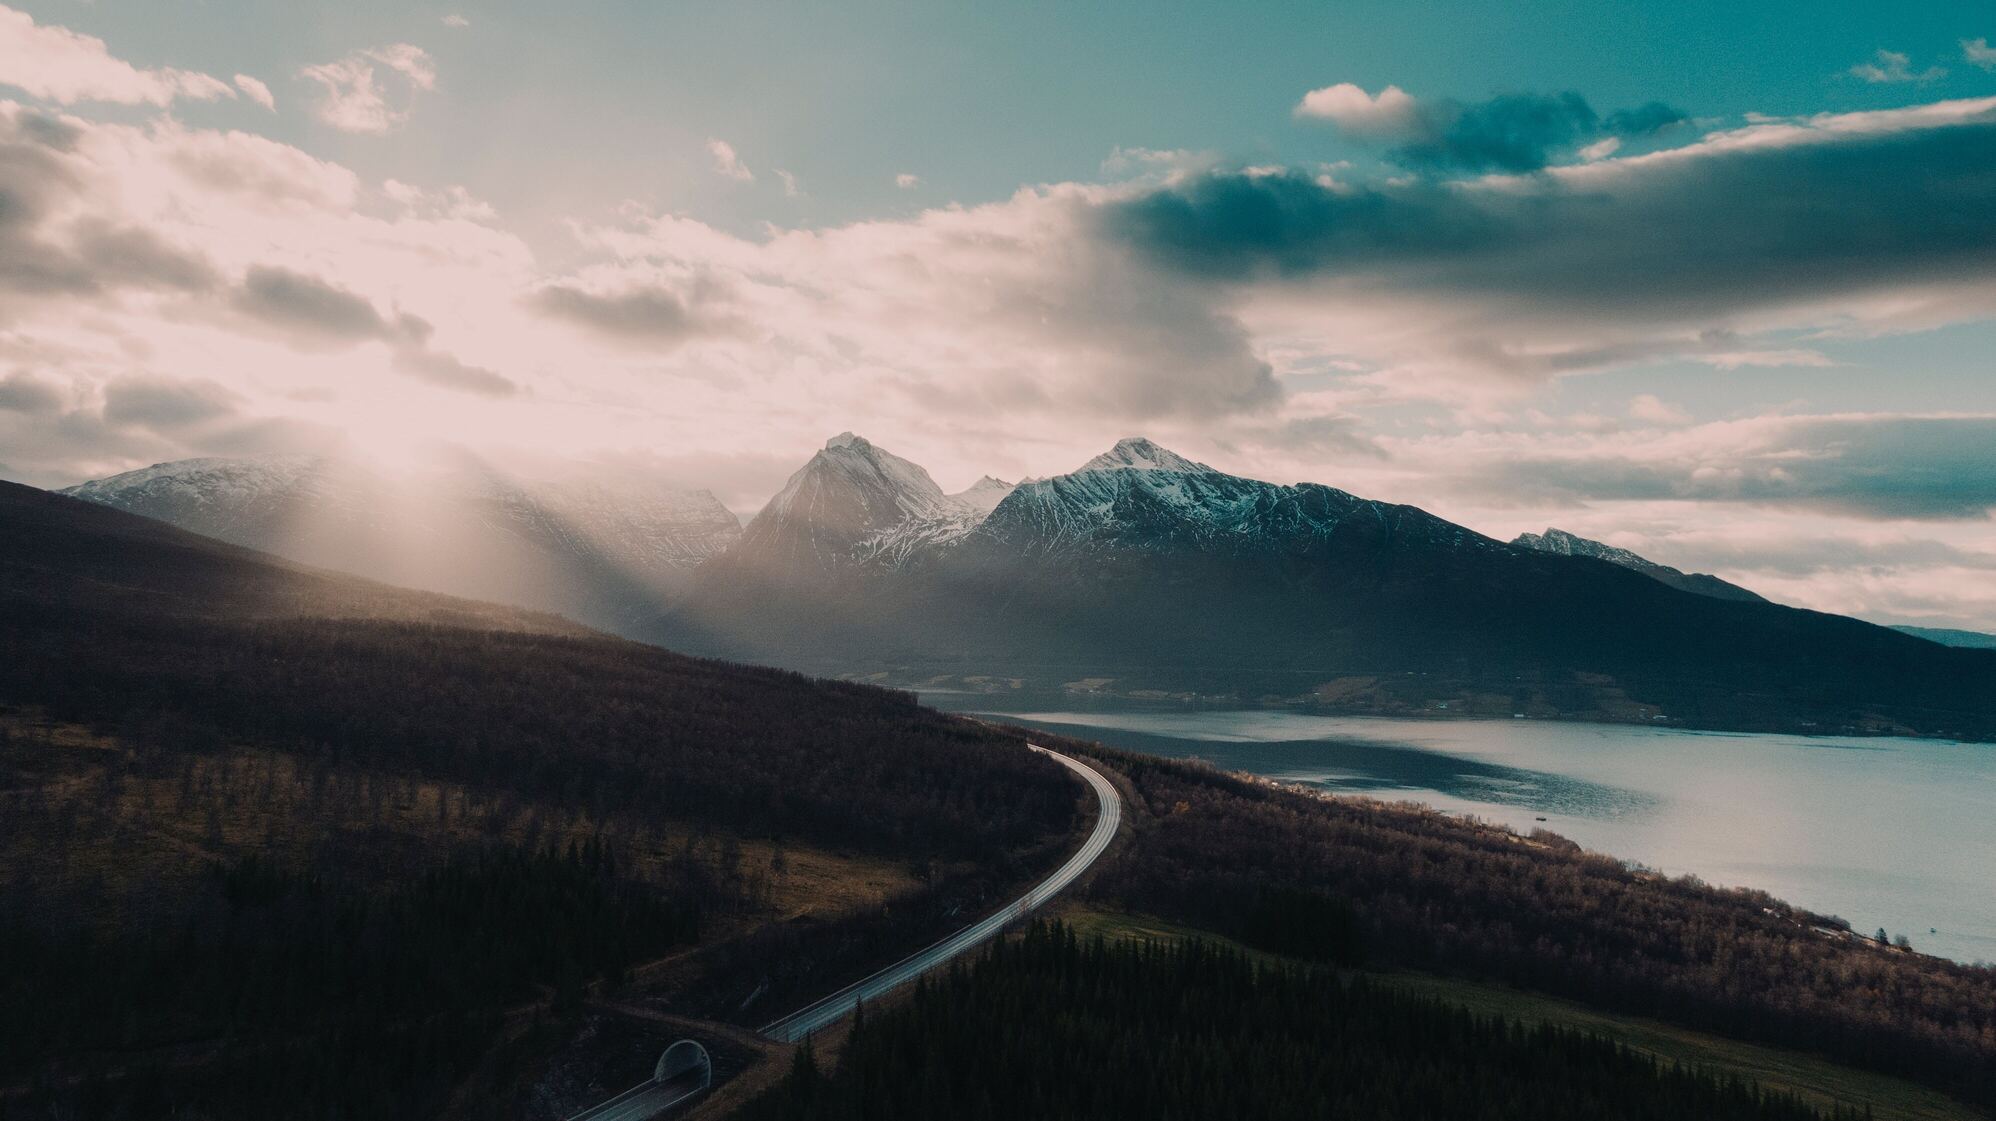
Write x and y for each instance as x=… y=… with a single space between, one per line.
x=1142 y=574
x=1145 y=574
x=602 y=547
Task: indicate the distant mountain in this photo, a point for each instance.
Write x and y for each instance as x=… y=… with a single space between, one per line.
x=1562 y=543
x=854 y=504
x=600 y=547
x=1145 y=573
x=1967 y=640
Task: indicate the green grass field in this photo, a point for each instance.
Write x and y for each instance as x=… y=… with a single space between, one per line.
x=1815 y=1079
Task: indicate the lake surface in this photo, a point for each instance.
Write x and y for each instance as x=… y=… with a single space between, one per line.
x=1898 y=833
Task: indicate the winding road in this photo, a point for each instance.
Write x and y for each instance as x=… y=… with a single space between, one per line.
x=652 y=1098
x=1108 y=819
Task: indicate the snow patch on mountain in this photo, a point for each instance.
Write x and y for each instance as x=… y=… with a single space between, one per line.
x=1561 y=543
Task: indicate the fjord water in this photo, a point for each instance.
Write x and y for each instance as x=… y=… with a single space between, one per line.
x=1898 y=833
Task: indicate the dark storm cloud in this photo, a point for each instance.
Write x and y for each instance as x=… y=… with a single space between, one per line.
x=641 y=314
x=1511 y=132
x=21 y=392
x=164 y=404
x=1235 y=226
x=1864 y=466
x=316 y=312
x=305 y=303
x=1644 y=120
x=1674 y=237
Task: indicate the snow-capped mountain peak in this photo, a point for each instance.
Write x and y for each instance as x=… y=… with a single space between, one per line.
x=983 y=495
x=1138 y=453
x=886 y=488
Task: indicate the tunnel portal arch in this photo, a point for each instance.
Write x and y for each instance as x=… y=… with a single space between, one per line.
x=686 y=1059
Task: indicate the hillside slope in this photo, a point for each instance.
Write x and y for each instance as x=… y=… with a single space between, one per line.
x=312 y=836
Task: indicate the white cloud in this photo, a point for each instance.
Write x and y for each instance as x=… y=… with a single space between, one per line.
x=452 y=202
x=1161 y=164
x=1390 y=112
x=456 y=19
x=907 y=181
x=1978 y=52
x=66 y=67
x=1601 y=149
x=1735 y=359
x=370 y=91
x=728 y=163
x=791 y=189
x=1648 y=407
x=256 y=91
x=1893 y=66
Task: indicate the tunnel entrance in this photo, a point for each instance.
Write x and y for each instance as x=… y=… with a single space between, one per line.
x=685 y=1061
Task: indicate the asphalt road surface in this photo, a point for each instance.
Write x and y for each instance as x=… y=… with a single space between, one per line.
x=639 y=1103
x=804 y=1022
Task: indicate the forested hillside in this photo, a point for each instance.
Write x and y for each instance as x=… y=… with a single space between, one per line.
x=275 y=842
x=1050 y=1027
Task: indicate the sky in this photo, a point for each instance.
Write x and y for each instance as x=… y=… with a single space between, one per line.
x=1716 y=283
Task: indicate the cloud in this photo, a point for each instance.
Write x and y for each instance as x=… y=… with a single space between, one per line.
x=60 y=65
x=455 y=20
x=1650 y=408
x=210 y=255
x=308 y=306
x=312 y=313
x=728 y=163
x=1011 y=308
x=1978 y=52
x=1875 y=466
x=51 y=248
x=791 y=189
x=1859 y=223
x=907 y=181
x=1313 y=436
x=22 y=392
x=370 y=91
x=453 y=202
x=165 y=404
x=256 y=91
x=1392 y=112
x=1168 y=163
x=1514 y=132
x=641 y=314
x=1892 y=66
x=1738 y=359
